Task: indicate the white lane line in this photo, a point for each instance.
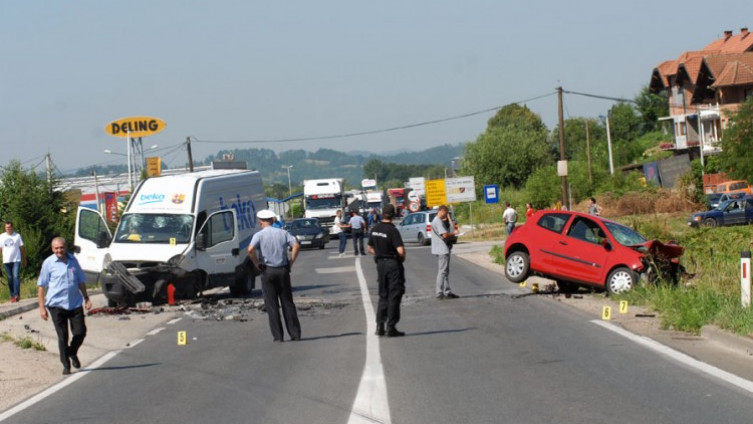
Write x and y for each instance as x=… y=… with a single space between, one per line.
x=334 y=270
x=52 y=390
x=370 y=405
x=730 y=378
x=173 y=321
x=134 y=343
x=155 y=331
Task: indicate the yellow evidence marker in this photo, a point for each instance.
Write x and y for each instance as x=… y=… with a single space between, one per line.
x=523 y=284
x=606 y=313
x=182 y=339
x=623 y=306
x=173 y=241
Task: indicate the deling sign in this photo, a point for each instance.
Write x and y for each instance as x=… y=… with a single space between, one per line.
x=135 y=127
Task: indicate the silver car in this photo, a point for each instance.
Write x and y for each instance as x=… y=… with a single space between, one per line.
x=416 y=227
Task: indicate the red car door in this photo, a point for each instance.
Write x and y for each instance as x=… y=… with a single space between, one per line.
x=579 y=254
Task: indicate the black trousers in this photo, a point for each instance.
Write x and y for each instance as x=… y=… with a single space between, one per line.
x=277 y=291
x=62 y=318
x=391 y=278
x=357 y=235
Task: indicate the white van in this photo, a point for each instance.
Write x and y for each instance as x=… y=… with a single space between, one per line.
x=190 y=231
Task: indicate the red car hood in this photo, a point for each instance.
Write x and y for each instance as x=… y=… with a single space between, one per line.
x=667 y=251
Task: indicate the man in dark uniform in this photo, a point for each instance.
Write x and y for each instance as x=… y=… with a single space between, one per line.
x=272 y=244
x=386 y=245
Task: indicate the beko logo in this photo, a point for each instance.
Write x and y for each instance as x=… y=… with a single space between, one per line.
x=151 y=198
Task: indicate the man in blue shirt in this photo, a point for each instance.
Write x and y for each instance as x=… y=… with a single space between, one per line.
x=268 y=251
x=357 y=228
x=65 y=284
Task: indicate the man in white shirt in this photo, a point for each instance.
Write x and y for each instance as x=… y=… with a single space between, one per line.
x=510 y=216
x=12 y=249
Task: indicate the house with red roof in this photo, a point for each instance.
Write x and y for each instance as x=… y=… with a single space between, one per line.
x=703 y=88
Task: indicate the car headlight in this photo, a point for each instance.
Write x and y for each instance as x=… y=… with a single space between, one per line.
x=106 y=261
x=320 y=235
x=297 y=237
x=697 y=218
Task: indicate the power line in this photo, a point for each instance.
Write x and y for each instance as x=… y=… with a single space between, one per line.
x=596 y=96
x=370 y=132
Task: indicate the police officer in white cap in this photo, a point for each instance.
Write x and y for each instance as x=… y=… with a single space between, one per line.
x=272 y=260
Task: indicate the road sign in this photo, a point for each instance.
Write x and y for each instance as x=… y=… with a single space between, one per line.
x=418 y=184
x=462 y=189
x=491 y=193
x=153 y=166
x=435 y=193
x=137 y=126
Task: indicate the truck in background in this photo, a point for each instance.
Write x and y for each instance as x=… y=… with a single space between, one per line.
x=188 y=231
x=399 y=199
x=323 y=198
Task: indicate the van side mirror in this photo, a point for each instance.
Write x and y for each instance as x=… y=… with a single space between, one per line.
x=201 y=241
x=103 y=239
x=76 y=249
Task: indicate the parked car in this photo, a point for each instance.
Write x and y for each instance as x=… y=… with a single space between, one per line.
x=308 y=232
x=715 y=199
x=416 y=227
x=732 y=212
x=734 y=186
x=578 y=249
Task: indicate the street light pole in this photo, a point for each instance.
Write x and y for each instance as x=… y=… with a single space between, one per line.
x=290 y=190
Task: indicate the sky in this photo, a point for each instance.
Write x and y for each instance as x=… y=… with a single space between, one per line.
x=232 y=73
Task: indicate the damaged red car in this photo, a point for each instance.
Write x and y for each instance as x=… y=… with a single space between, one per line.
x=578 y=249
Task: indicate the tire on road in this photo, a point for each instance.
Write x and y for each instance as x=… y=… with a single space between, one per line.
x=517 y=266
x=621 y=280
x=709 y=222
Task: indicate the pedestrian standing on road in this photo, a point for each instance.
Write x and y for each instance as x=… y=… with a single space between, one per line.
x=387 y=247
x=593 y=208
x=62 y=291
x=338 y=228
x=443 y=234
x=268 y=251
x=357 y=227
x=14 y=255
x=510 y=216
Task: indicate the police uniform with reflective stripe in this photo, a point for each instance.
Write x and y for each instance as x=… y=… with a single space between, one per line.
x=385 y=239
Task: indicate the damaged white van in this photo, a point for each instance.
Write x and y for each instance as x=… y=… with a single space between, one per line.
x=188 y=231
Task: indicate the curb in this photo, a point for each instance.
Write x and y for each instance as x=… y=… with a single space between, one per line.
x=740 y=344
x=18 y=309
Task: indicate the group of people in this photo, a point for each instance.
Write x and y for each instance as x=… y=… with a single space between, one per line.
x=510 y=215
x=357 y=226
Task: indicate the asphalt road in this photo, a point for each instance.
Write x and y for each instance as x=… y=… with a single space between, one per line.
x=488 y=357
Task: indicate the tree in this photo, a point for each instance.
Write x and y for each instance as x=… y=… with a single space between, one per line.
x=650 y=108
x=737 y=155
x=39 y=212
x=513 y=145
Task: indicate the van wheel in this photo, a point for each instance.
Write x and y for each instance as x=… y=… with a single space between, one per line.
x=244 y=282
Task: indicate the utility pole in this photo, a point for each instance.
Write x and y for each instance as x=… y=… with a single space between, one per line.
x=565 y=197
x=609 y=147
x=48 y=166
x=588 y=154
x=190 y=156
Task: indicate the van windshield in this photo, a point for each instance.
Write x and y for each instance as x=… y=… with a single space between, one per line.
x=321 y=202
x=154 y=228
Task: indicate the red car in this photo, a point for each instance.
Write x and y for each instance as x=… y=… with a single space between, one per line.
x=581 y=249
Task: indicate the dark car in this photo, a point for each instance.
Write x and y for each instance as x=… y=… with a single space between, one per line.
x=715 y=199
x=308 y=232
x=731 y=212
x=579 y=249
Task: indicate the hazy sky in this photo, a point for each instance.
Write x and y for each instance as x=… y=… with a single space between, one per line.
x=253 y=70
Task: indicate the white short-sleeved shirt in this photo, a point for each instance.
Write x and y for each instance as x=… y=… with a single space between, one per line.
x=11 y=245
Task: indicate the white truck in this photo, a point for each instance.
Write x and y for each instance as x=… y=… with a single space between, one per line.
x=323 y=198
x=190 y=231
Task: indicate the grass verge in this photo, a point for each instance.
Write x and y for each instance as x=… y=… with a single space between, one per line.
x=24 y=343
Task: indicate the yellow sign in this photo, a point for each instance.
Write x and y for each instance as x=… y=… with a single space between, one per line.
x=606 y=313
x=435 y=193
x=137 y=126
x=153 y=166
x=623 y=306
x=182 y=338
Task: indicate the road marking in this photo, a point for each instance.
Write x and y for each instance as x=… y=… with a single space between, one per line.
x=335 y=270
x=711 y=370
x=134 y=343
x=155 y=331
x=52 y=390
x=173 y=321
x=370 y=405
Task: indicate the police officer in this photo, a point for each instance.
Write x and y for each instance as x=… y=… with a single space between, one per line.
x=386 y=245
x=272 y=246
